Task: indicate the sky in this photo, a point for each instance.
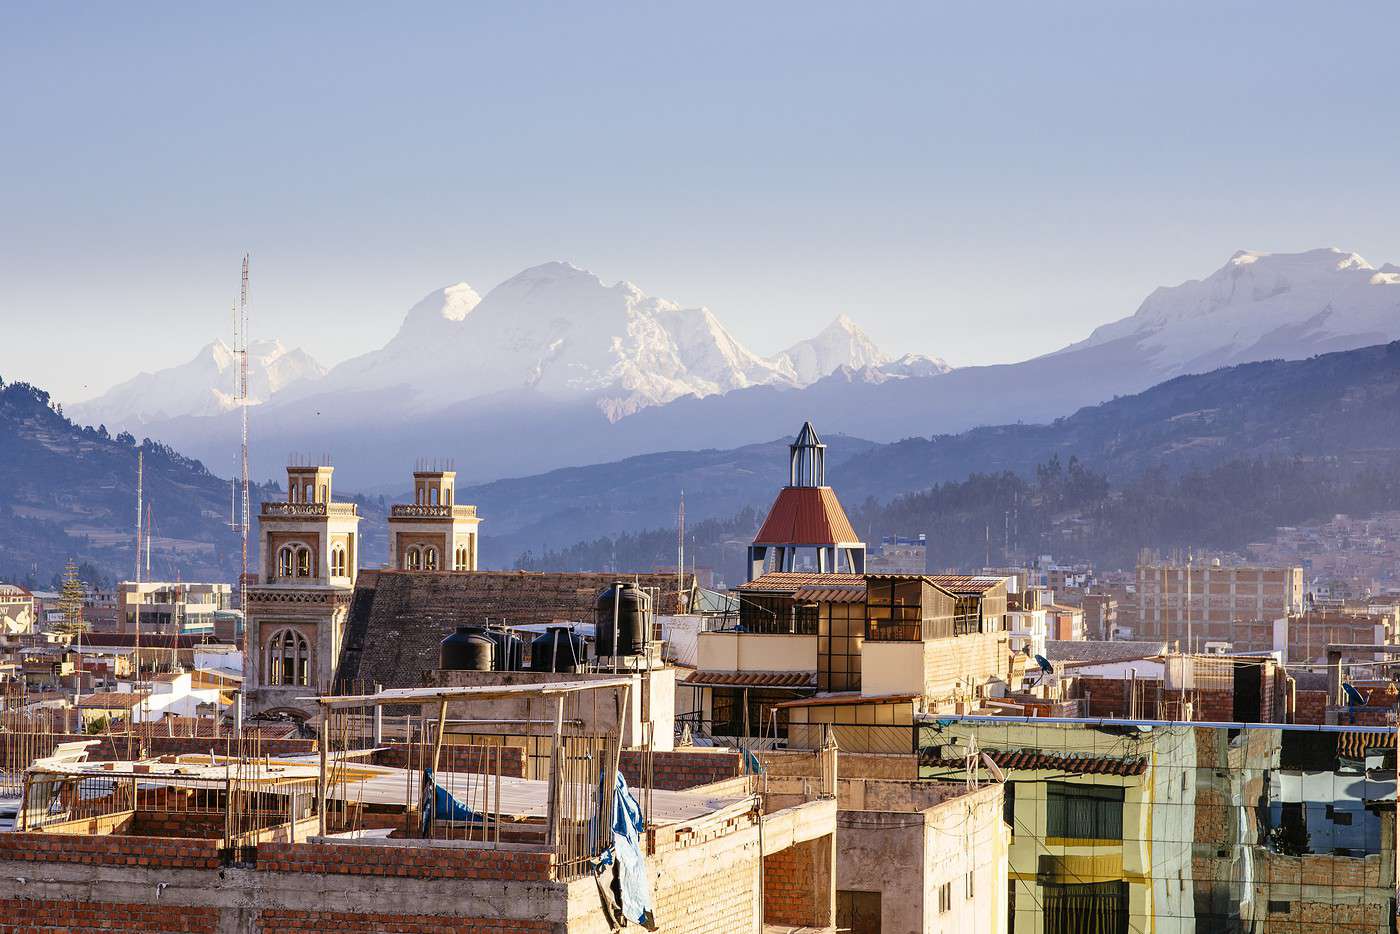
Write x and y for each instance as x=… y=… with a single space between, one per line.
x=983 y=182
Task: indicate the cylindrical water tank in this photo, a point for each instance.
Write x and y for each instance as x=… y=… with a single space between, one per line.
x=510 y=650
x=630 y=605
x=467 y=649
x=558 y=648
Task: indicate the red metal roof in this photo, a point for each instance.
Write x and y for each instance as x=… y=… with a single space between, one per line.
x=753 y=679
x=806 y=515
x=1071 y=762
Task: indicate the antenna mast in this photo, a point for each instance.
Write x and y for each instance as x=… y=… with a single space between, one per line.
x=138 y=514
x=241 y=342
x=680 y=551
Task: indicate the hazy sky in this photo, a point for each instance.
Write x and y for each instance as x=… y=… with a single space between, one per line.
x=975 y=180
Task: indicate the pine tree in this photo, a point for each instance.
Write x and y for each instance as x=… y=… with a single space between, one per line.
x=70 y=601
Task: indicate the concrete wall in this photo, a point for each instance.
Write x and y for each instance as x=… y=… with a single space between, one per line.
x=756 y=651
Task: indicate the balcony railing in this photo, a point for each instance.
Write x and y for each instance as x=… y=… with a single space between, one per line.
x=308 y=510
x=425 y=511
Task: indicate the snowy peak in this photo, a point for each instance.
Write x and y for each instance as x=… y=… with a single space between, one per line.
x=839 y=344
x=449 y=304
x=1260 y=305
x=206 y=385
x=842 y=345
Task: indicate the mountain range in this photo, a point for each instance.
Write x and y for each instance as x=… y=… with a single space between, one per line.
x=68 y=490
x=553 y=368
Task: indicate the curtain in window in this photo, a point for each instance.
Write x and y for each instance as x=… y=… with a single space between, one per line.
x=1095 y=908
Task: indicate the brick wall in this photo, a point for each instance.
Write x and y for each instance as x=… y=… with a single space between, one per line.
x=335 y=922
x=110 y=850
x=415 y=861
x=796 y=884
x=454 y=758
x=681 y=769
x=1310 y=707
x=30 y=916
x=721 y=901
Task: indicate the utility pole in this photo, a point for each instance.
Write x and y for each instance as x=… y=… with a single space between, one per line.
x=241 y=340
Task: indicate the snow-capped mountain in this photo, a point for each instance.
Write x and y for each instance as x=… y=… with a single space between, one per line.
x=205 y=385
x=1259 y=306
x=843 y=345
x=561 y=331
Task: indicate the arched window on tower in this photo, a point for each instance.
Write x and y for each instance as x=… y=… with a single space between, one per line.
x=304 y=563
x=430 y=559
x=338 y=563
x=288 y=659
x=413 y=559
x=459 y=558
x=286 y=561
x=433 y=497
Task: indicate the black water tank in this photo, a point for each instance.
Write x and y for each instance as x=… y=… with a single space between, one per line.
x=510 y=650
x=467 y=649
x=632 y=606
x=558 y=648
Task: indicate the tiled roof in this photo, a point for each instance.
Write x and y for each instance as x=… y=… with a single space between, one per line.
x=112 y=700
x=790 y=582
x=806 y=515
x=398 y=618
x=1356 y=745
x=753 y=679
x=149 y=640
x=1073 y=763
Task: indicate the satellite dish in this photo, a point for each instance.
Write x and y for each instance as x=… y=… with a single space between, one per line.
x=993 y=769
x=1353 y=696
x=1044 y=664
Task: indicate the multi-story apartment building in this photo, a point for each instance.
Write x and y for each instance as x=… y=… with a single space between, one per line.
x=1204 y=601
x=166 y=607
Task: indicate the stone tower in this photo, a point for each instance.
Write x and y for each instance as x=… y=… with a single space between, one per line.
x=308 y=556
x=433 y=533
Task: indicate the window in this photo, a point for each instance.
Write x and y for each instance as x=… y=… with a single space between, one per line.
x=1008 y=806
x=459 y=559
x=338 y=563
x=945 y=897
x=430 y=559
x=433 y=497
x=413 y=559
x=971 y=885
x=286 y=560
x=288 y=659
x=294 y=560
x=1084 y=812
x=1089 y=908
x=304 y=567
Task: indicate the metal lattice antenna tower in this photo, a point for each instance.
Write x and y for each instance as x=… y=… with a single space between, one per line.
x=245 y=524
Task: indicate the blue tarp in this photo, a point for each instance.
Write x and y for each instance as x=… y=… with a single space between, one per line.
x=445 y=804
x=628 y=824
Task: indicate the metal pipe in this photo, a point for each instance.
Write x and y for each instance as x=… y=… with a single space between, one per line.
x=924 y=718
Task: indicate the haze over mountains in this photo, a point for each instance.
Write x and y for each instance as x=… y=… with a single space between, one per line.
x=588 y=373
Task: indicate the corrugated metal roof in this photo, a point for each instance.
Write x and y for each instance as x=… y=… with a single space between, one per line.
x=792 y=581
x=1034 y=759
x=849 y=698
x=830 y=594
x=807 y=516
x=753 y=679
x=965 y=583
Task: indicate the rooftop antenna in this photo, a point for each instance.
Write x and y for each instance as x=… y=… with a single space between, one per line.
x=139 y=466
x=241 y=346
x=680 y=552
